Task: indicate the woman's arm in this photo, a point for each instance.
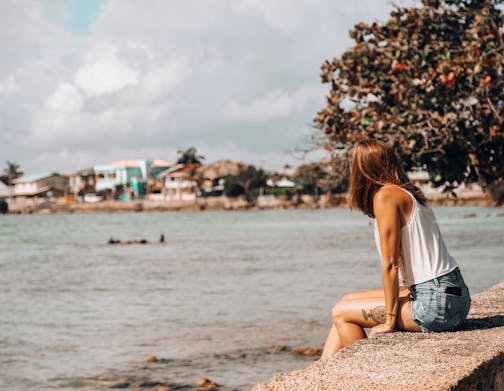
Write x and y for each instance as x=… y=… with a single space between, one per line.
x=388 y=218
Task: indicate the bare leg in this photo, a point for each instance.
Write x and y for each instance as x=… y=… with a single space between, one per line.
x=378 y=293
x=352 y=315
x=332 y=344
x=363 y=294
x=348 y=331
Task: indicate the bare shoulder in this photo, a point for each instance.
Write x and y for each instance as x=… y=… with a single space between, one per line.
x=388 y=194
x=391 y=198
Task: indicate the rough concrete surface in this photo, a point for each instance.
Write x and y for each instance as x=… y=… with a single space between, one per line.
x=469 y=359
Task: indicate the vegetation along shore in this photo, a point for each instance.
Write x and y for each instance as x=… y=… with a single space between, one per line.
x=232 y=204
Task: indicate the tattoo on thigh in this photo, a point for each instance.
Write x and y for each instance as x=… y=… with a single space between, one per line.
x=377 y=314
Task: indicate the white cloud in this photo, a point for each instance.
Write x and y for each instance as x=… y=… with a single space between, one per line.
x=89 y=157
x=237 y=77
x=272 y=11
x=274 y=105
x=273 y=160
x=162 y=78
x=8 y=85
x=107 y=74
x=65 y=99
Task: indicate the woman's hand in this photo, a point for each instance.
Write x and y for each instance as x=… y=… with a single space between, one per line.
x=382 y=329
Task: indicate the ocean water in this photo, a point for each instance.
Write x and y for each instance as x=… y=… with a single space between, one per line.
x=226 y=297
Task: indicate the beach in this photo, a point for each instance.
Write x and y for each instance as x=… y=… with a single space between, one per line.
x=227 y=297
x=63 y=206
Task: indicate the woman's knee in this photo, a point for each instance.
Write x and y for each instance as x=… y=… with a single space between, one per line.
x=337 y=312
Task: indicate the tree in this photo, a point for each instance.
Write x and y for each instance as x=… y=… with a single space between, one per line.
x=309 y=176
x=189 y=156
x=429 y=82
x=245 y=182
x=12 y=171
x=329 y=176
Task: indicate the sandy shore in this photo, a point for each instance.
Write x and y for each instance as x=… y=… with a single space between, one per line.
x=225 y=203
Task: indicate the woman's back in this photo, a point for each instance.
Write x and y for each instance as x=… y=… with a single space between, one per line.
x=424 y=255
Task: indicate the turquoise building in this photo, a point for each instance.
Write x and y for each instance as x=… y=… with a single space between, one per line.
x=127 y=179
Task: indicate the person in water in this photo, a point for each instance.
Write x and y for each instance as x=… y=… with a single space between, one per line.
x=423 y=288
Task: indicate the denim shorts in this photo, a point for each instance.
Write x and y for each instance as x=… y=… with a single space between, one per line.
x=436 y=308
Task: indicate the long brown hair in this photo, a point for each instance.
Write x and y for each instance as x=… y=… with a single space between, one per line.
x=373 y=165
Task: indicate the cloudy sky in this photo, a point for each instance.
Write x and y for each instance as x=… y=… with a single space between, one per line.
x=84 y=82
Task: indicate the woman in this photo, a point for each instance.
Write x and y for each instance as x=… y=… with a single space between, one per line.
x=423 y=289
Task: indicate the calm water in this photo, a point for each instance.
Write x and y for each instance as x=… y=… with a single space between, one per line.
x=76 y=313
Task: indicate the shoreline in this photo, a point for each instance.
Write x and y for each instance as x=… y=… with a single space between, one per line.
x=230 y=204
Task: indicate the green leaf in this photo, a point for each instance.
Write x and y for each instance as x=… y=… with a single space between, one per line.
x=366 y=121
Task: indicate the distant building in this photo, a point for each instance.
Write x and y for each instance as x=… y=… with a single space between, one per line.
x=118 y=175
x=44 y=184
x=418 y=178
x=421 y=180
x=155 y=185
x=158 y=166
x=4 y=190
x=282 y=182
x=213 y=176
x=127 y=178
x=35 y=188
x=180 y=182
x=82 y=182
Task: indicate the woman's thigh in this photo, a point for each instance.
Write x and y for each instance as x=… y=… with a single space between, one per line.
x=371 y=311
x=373 y=293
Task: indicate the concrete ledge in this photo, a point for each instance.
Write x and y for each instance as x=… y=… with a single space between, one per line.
x=469 y=359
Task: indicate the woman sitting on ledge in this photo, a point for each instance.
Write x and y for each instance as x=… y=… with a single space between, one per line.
x=423 y=289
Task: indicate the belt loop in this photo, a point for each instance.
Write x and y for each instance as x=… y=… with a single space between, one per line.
x=436 y=282
x=412 y=292
x=459 y=275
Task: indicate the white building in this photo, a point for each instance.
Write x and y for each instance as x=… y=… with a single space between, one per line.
x=4 y=190
x=44 y=184
x=179 y=183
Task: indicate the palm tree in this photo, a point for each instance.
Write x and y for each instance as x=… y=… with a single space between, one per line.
x=189 y=156
x=12 y=171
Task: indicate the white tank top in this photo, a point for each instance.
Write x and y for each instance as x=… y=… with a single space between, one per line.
x=424 y=255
